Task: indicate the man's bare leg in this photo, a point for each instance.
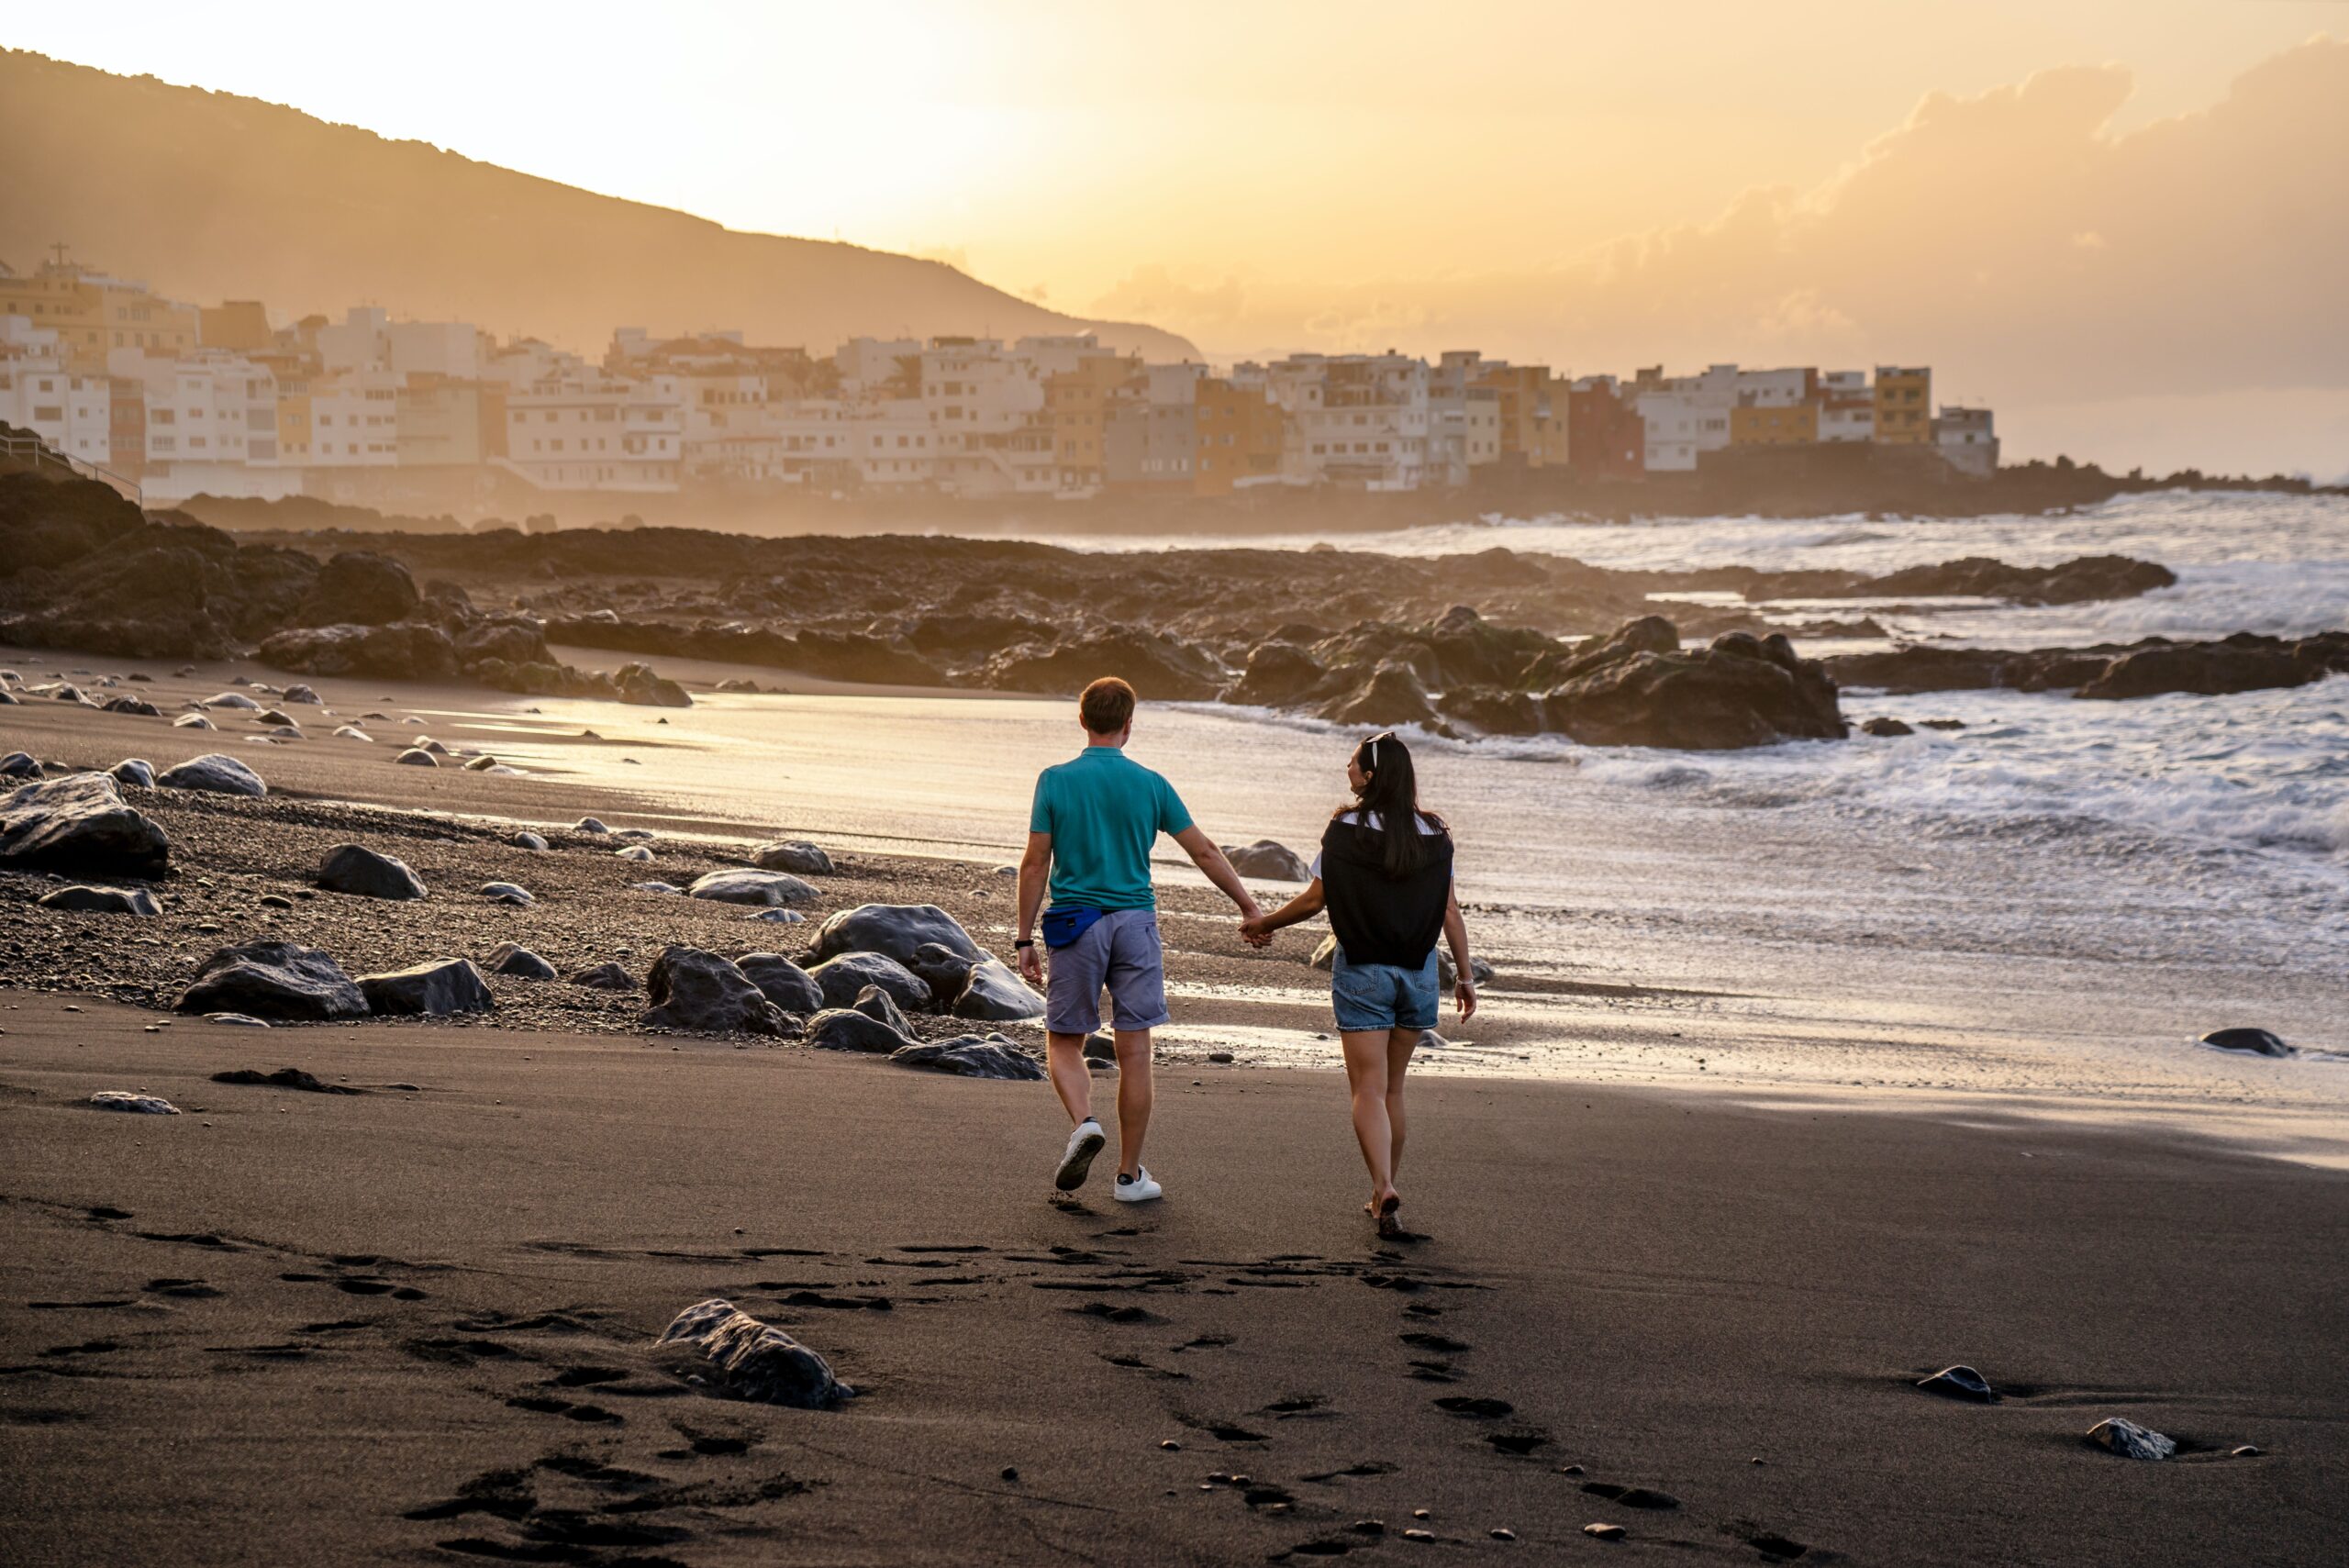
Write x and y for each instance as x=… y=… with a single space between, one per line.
x=1072 y=1079
x=1133 y=1098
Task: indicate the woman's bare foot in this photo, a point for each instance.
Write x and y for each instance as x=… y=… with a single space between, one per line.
x=1382 y=1208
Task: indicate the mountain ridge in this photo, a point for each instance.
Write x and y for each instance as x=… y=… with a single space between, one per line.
x=170 y=185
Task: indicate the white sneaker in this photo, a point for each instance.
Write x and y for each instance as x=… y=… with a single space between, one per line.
x=1139 y=1187
x=1082 y=1144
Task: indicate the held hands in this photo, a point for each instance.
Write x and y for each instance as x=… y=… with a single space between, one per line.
x=1256 y=930
x=1032 y=967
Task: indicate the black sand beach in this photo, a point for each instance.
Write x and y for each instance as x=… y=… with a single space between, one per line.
x=414 y=1324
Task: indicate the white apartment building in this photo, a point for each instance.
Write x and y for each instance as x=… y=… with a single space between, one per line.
x=1463 y=433
x=1688 y=416
x=892 y=444
x=984 y=407
x=354 y=420
x=1846 y=406
x=526 y=362
x=1361 y=420
x=1774 y=389
x=595 y=432
x=73 y=414
x=1968 y=439
x=867 y=365
x=367 y=339
x=791 y=443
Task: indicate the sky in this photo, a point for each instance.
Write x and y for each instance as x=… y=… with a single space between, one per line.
x=2124 y=216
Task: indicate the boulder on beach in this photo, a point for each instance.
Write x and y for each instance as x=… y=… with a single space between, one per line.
x=1741 y=691
x=137 y=706
x=741 y=885
x=603 y=977
x=274 y=980
x=1161 y=667
x=436 y=987
x=514 y=958
x=941 y=968
x=506 y=893
x=633 y=852
x=406 y=650
x=792 y=855
x=1960 y=1383
x=137 y=1105
x=299 y=692
x=231 y=699
x=137 y=772
x=637 y=684
x=192 y=721
x=734 y=1354
x=840 y=979
x=971 y=1056
x=996 y=994
x=81 y=900
x=692 y=988
x=786 y=985
x=1278 y=674
x=1392 y=693
x=79 y=824
x=875 y=1004
x=589 y=825
x=845 y=1029
x=2131 y=1440
x=19 y=765
x=361 y=587
x=1267 y=861
x=1884 y=726
x=360 y=871
x=528 y=841
x=893 y=930
x=2248 y=1042
x=214 y=772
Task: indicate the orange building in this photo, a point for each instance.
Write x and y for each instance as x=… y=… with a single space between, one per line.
x=1077 y=405
x=1241 y=433
x=1904 y=406
x=93 y=313
x=1786 y=425
x=239 y=324
x=1533 y=414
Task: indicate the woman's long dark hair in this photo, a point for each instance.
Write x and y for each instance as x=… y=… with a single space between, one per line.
x=1391 y=791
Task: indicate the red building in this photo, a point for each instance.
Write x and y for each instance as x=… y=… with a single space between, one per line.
x=1606 y=437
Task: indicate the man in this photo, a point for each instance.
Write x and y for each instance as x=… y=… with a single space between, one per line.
x=1091 y=826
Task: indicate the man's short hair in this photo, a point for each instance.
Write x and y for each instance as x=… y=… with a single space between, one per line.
x=1107 y=705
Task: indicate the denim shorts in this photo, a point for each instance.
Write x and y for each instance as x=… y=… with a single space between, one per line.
x=1383 y=995
x=1119 y=951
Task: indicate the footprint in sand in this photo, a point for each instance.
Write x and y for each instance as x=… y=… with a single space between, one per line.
x=1470 y=1404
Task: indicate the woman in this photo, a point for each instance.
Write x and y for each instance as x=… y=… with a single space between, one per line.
x=1384 y=875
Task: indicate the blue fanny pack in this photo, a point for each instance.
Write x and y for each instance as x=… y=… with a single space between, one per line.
x=1062 y=926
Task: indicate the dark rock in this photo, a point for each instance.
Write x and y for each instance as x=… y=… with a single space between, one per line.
x=215 y=773
x=2243 y=662
x=1268 y=861
x=1741 y=691
x=785 y=985
x=512 y=958
x=845 y=1029
x=737 y=884
x=1278 y=674
x=691 y=988
x=83 y=900
x=416 y=757
x=792 y=855
x=136 y=706
x=941 y=969
x=79 y=823
x=359 y=587
x=19 y=765
x=528 y=841
x=299 y=692
x=137 y=772
x=355 y=869
x=284 y=1078
x=1882 y=726
x=877 y=1004
x=995 y=993
x=840 y=979
x=605 y=977
x=406 y=650
x=274 y=980
x=2131 y=1440
x=639 y=685
x=737 y=1355
x=1488 y=710
x=437 y=986
x=1390 y=695
x=1159 y=667
x=2249 y=1042
x=506 y=893
x=894 y=931
x=1960 y=1383
x=971 y=1056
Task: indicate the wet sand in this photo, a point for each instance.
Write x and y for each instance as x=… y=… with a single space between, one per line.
x=414 y=1324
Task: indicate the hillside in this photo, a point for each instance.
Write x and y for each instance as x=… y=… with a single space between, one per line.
x=209 y=196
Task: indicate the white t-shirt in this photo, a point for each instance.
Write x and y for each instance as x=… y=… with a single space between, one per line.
x=1354 y=819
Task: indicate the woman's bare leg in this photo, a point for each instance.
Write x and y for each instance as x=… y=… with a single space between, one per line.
x=1400 y=1043
x=1366 y=1056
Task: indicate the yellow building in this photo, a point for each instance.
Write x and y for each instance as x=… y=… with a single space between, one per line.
x=1788 y=425
x=1239 y=432
x=1904 y=406
x=1533 y=414
x=238 y=324
x=1077 y=405
x=93 y=313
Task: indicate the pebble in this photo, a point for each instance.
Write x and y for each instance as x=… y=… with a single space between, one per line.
x=1577 y=1469
x=1370 y=1527
x=1171 y=1446
x=1009 y=1474
x=2248 y=1451
x=275 y=901
x=1219 y=1057
x=1418 y=1534
x=1604 y=1531
x=1503 y=1534
x=1420 y=1513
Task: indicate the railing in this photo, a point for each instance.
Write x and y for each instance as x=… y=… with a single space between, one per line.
x=33 y=449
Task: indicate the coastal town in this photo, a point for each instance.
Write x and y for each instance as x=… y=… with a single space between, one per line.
x=177 y=400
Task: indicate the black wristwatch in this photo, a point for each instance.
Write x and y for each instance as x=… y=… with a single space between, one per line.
x=1025 y=942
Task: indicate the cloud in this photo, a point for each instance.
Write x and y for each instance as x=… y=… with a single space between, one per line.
x=2011 y=239
x=1153 y=294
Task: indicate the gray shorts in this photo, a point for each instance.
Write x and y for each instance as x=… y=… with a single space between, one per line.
x=1119 y=951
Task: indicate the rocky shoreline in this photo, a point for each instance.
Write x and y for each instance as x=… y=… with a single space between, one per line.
x=1491 y=643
